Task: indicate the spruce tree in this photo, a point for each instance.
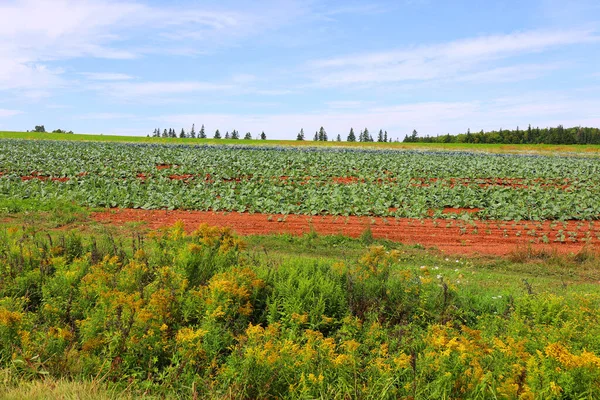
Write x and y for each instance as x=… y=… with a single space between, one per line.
x=413 y=137
x=316 y=138
x=300 y=134
x=263 y=136
x=351 y=136
x=193 y=132
x=248 y=136
x=385 y=137
x=202 y=133
x=339 y=138
x=380 y=136
x=235 y=134
x=182 y=134
x=322 y=135
x=217 y=134
x=367 y=136
x=165 y=134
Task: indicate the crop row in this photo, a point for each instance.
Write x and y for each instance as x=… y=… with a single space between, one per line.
x=302 y=181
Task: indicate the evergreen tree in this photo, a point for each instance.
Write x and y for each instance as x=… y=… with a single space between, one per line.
x=263 y=136
x=217 y=134
x=316 y=138
x=367 y=136
x=322 y=135
x=339 y=138
x=248 y=136
x=227 y=135
x=202 y=133
x=380 y=136
x=193 y=132
x=385 y=137
x=351 y=136
x=182 y=134
x=300 y=134
x=165 y=134
x=235 y=134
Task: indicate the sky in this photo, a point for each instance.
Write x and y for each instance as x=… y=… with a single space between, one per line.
x=437 y=66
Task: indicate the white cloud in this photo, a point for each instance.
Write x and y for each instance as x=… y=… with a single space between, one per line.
x=106 y=116
x=428 y=118
x=446 y=60
x=343 y=104
x=9 y=113
x=151 y=91
x=36 y=33
x=106 y=76
x=512 y=73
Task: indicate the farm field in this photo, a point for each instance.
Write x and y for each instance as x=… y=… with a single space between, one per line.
x=176 y=271
x=463 y=201
x=489 y=147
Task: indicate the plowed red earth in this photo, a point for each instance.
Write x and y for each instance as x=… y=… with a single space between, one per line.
x=451 y=236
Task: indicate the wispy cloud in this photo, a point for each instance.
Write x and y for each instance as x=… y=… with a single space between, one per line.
x=511 y=73
x=106 y=76
x=439 y=61
x=106 y=116
x=345 y=104
x=157 y=91
x=427 y=117
x=9 y=113
x=36 y=33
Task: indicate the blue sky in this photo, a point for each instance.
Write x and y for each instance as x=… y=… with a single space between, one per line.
x=127 y=67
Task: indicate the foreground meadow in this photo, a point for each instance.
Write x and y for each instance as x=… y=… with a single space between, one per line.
x=208 y=314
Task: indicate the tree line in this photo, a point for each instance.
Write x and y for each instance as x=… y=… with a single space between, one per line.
x=171 y=133
x=363 y=136
x=42 y=129
x=537 y=135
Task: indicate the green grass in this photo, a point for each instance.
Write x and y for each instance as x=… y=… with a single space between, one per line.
x=13 y=388
x=487 y=282
x=494 y=148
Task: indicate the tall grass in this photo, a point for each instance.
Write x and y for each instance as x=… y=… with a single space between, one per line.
x=184 y=315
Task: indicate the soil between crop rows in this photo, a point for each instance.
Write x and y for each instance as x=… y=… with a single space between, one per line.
x=451 y=236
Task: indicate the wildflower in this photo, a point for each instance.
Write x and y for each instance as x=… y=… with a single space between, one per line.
x=402 y=361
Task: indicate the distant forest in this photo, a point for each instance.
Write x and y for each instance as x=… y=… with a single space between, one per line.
x=557 y=135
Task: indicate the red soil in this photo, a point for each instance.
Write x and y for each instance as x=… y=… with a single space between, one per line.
x=43 y=178
x=514 y=183
x=450 y=236
x=163 y=166
x=181 y=177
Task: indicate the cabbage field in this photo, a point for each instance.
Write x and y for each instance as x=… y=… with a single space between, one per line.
x=285 y=180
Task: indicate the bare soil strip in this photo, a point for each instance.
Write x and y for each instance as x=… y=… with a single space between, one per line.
x=455 y=237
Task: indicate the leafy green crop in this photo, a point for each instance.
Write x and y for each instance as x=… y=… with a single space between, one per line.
x=301 y=181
